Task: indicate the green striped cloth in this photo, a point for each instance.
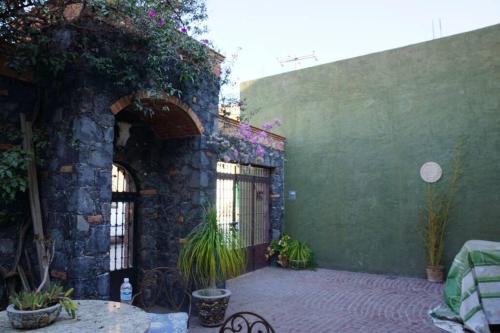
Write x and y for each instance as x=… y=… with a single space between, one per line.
x=472 y=290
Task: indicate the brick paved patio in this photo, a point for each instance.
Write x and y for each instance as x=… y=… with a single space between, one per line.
x=334 y=301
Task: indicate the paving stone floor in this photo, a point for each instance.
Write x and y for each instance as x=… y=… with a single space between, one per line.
x=334 y=301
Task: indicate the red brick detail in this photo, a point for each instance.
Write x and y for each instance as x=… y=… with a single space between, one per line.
x=121 y=104
x=58 y=275
x=95 y=219
x=148 y=192
x=180 y=122
x=66 y=169
x=72 y=11
x=5 y=146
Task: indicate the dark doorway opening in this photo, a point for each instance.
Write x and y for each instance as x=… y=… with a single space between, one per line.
x=122 y=230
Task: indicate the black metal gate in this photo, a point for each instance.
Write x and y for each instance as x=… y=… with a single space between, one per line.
x=243 y=203
x=121 y=252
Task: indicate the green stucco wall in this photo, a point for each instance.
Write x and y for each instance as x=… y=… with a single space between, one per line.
x=358 y=131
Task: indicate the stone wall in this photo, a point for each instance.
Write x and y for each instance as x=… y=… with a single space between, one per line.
x=76 y=189
x=175 y=177
x=274 y=159
x=75 y=183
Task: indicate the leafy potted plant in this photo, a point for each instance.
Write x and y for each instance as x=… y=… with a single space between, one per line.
x=36 y=309
x=436 y=217
x=210 y=255
x=289 y=253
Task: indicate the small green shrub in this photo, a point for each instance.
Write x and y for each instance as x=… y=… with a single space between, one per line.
x=29 y=301
x=290 y=252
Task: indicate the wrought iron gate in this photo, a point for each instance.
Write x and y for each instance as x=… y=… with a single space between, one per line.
x=243 y=203
x=121 y=252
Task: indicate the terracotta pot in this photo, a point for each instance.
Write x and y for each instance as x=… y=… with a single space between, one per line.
x=435 y=274
x=212 y=305
x=26 y=320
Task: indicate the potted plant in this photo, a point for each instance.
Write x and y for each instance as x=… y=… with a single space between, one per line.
x=276 y=251
x=299 y=255
x=210 y=255
x=289 y=252
x=35 y=309
x=436 y=217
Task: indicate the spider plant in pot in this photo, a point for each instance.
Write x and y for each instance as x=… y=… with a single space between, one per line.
x=299 y=255
x=435 y=218
x=210 y=255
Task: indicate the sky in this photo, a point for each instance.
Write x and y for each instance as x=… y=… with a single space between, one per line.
x=262 y=32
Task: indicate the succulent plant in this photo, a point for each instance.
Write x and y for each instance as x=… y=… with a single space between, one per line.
x=33 y=300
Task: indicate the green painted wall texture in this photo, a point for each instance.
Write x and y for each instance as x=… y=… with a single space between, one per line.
x=358 y=131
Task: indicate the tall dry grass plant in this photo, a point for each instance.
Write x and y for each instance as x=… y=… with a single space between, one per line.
x=436 y=215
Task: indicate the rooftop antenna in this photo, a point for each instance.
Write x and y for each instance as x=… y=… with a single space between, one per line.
x=297 y=61
x=440 y=29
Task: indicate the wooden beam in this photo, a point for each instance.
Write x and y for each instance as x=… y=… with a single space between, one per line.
x=34 y=197
x=25 y=76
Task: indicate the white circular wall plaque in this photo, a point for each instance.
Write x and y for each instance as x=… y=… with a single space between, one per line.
x=431 y=172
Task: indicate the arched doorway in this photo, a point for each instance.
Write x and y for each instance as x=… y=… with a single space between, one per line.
x=159 y=148
x=122 y=226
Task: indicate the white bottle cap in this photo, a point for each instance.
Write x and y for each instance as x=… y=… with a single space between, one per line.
x=125 y=280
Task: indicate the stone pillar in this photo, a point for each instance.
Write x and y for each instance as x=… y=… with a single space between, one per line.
x=77 y=192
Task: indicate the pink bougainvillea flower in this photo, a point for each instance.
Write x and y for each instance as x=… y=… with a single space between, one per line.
x=184 y=30
x=245 y=131
x=161 y=22
x=267 y=126
x=152 y=13
x=262 y=135
x=205 y=41
x=259 y=151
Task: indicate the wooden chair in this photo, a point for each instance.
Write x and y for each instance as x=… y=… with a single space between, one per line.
x=246 y=322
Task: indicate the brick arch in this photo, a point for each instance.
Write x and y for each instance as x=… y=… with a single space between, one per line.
x=179 y=121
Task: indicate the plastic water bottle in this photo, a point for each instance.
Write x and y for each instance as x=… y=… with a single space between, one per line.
x=126 y=292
